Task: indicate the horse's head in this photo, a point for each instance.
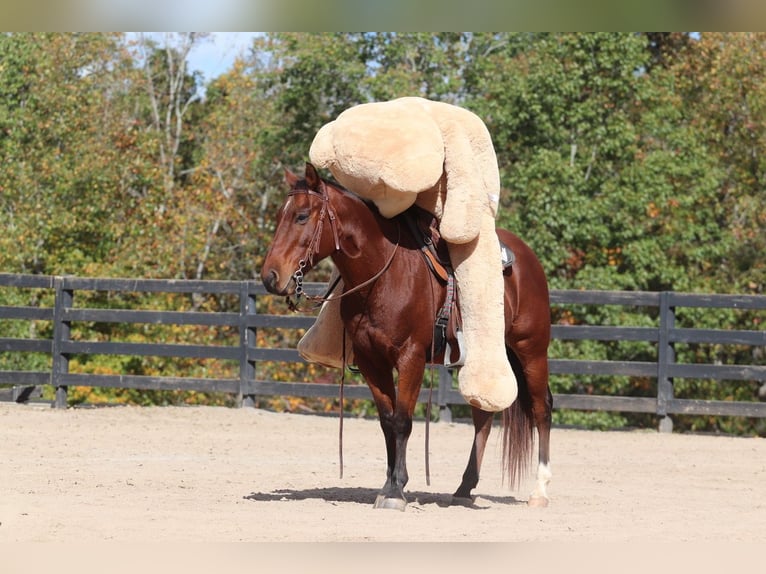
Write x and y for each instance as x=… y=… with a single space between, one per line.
x=301 y=238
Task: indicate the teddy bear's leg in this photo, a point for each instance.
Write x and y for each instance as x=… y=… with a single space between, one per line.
x=323 y=342
x=486 y=380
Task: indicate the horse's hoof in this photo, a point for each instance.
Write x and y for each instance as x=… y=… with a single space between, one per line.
x=467 y=501
x=390 y=503
x=538 y=501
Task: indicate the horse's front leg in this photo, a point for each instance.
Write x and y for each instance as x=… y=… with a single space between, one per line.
x=395 y=412
x=411 y=367
x=397 y=430
x=381 y=383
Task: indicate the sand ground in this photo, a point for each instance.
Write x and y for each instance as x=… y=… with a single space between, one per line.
x=209 y=474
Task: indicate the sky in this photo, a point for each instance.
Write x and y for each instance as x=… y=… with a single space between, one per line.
x=215 y=55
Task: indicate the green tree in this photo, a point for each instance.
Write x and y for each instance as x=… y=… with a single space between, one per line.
x=59 y=161
x=608 y=175
x=236 y=184
x=628 y=161
x=312 y=78
x=722 y=78
x=415 y=64
x=597 y=166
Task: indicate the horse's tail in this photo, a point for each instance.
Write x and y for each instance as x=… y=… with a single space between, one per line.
x=518 y=430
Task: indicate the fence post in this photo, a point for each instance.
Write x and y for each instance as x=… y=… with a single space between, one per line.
x=246 y=342
x=666 y=356
x=64 y=298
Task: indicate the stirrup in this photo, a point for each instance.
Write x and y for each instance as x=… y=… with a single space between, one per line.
x=461 y=347
x=507 y=256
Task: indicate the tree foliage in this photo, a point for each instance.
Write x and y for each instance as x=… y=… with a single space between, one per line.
x=628 y=161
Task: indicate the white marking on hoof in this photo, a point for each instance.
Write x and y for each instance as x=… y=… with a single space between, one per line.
x=537 y=502
x=390 y=503
x=544 y=476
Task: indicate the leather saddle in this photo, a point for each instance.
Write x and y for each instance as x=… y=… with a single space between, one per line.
x=448 y=336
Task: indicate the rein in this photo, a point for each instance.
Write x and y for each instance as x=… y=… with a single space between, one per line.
x=308 y=261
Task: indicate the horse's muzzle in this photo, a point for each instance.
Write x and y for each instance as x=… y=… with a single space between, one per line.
x=271 y=282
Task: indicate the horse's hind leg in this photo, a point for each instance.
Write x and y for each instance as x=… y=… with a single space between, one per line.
x=539 y=496
x=536 y=373
x=482 y=424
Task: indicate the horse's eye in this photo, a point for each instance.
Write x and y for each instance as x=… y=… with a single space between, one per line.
x=302 y=217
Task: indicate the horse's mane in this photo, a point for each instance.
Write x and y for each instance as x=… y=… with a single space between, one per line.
x=368 y=202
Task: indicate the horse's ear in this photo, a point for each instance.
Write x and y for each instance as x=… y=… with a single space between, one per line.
x=290 y=178
x=312 y=177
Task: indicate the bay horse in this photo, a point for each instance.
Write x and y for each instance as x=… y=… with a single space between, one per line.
x=390 y=321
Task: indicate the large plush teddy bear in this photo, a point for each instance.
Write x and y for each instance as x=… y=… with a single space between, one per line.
x=439 y=156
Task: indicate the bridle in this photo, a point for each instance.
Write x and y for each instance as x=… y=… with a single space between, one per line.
x=313 y=246
x=326 y=211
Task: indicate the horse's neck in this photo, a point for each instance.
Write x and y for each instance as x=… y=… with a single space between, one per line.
x=366 y=242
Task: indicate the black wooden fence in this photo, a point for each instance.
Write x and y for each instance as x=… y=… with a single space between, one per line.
x=64 y=313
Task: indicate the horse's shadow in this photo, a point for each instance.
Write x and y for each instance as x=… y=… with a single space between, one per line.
x=366 y=496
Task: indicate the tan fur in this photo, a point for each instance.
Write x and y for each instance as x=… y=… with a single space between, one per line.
x=322 y=343
x=387 y=152
x=441 y=156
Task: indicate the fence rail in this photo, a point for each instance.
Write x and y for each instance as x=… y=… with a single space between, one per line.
x=246 y=321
